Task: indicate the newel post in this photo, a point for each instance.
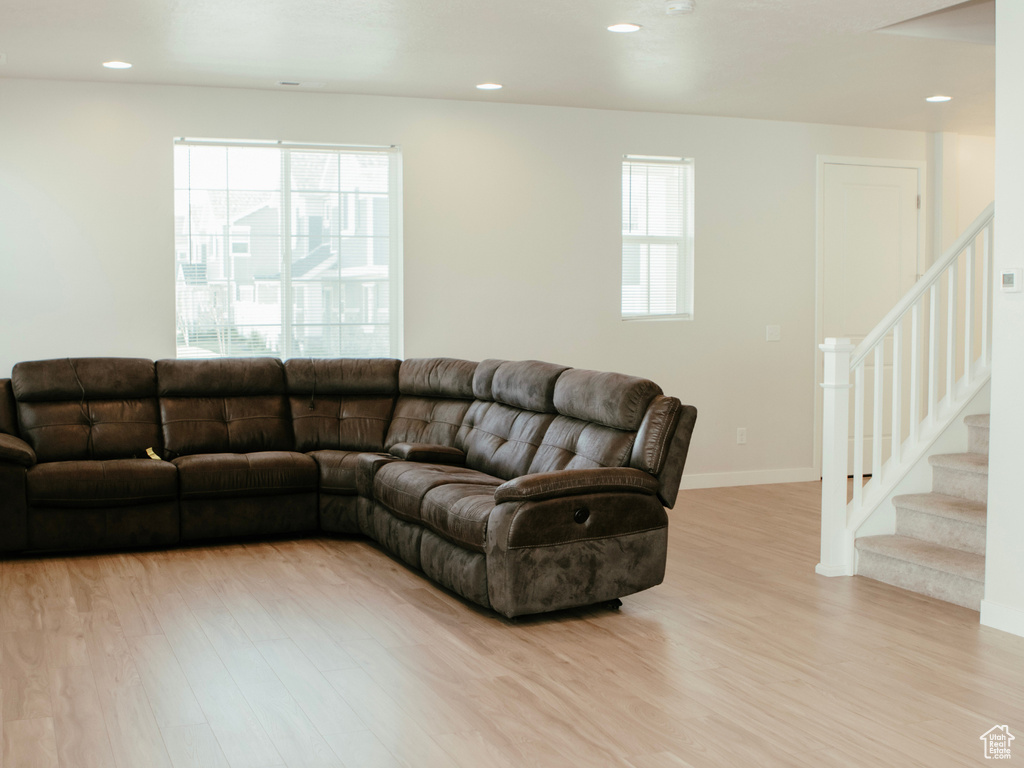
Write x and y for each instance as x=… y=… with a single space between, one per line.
x=836 y=539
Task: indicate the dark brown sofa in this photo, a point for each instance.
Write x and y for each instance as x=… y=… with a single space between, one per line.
x=522 y=486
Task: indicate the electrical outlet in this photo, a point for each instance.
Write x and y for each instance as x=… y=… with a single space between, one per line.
x=741 y=436
x=773 y=333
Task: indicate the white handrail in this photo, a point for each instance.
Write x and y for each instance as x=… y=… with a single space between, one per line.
x=948 y=320
x=927 y=279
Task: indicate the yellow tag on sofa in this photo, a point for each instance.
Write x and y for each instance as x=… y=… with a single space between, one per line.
x=152 y=454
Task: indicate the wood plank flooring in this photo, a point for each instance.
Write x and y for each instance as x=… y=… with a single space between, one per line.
x=325 y=652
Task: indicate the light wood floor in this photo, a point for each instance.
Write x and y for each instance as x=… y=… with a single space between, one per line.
x=326 y=652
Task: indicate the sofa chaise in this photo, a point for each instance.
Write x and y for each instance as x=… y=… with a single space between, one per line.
x=524 y=487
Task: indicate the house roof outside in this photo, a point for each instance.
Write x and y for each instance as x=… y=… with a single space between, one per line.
x=818 y=61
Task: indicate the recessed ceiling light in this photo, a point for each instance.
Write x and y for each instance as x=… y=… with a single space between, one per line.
x=490 y=86
x=624 y=28
x=117 y=65
x=937 y=98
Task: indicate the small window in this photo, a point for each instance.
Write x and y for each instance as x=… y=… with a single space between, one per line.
x=657 y=237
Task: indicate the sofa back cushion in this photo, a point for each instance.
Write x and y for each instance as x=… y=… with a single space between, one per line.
x=612 y=399
x=434 y=396
x=514 y=408
x=341 y=404
x=599 y=415
x=228 y=405
x=88 y=408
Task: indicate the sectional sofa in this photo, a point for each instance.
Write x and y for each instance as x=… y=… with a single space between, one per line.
x=522 y=486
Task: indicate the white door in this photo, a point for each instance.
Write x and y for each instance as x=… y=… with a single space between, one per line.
x=871 y=248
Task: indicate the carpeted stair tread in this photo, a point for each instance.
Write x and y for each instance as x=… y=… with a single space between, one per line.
x=941 y=505
x=977 y=433
x=977 y=420
x=962 y=462
x=922 y=553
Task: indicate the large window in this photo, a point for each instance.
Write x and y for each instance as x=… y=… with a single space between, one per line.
x=657 y=237
x=286 y=250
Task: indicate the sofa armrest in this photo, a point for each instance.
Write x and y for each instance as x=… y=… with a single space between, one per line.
x=16 y=451
x=429 y=453
x=575 y=482
x=366 y=467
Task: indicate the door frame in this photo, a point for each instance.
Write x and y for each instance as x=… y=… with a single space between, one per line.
x=819 y=261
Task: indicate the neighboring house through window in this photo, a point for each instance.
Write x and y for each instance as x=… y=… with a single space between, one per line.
x=287 y=250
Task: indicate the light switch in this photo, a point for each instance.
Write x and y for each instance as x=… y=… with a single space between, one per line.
x=773 y=333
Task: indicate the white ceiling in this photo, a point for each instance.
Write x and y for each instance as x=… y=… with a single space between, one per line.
x=805 y=60
x=970 y=22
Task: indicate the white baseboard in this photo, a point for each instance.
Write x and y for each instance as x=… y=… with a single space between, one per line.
x=755 y=477
x=1002 y=617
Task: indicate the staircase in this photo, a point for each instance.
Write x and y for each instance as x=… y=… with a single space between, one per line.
x=939 y=545
x=888 y=403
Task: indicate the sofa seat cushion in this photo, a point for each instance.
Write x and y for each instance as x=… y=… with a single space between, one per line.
x=459 y=513
x=216 y=475
x=116 y=482
x=339 y=470
x=400 y=486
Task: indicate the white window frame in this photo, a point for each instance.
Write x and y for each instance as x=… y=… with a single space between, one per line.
x=683 y=242
x=395 y=240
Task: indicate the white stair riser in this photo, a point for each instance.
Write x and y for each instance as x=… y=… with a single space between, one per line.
x=941 y=530
x=920 y=579
x=977 y=440
x=966 y=485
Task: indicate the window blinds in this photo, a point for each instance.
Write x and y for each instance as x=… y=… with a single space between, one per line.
x=286 y=250
x=657 y=237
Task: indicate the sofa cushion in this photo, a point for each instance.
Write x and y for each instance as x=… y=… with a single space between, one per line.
x=88 y=408
x=400 y=486
x=515 y=405
x=101 y=483
x=612 y=399
x=500 y=439
x=574 y=444
x=526 y=384
x=432 y=420
x=435 y=394
x=217 y=475
x=339 y=471
x=437 y=377
x=339 y=422
x=224 y=406
x=342 y=376
x=459 y=512
x=341 y=404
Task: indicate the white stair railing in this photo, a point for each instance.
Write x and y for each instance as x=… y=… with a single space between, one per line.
x=912 y=374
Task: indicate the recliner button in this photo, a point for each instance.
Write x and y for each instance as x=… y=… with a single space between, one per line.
x=581 y=515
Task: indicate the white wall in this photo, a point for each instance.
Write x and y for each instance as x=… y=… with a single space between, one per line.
x=961 y=180
x=976 y=168
x=511 y=238
x=1003 y=606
